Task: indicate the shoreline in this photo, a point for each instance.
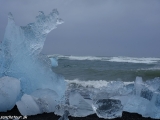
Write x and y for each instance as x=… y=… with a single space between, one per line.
x=51 y=116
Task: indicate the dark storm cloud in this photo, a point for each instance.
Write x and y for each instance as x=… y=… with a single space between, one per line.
x=94 y=27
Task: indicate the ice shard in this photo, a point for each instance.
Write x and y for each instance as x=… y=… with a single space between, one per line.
x=83 y=108
x=20 y=55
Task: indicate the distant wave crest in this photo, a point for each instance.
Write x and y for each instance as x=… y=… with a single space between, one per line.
x=110 y=59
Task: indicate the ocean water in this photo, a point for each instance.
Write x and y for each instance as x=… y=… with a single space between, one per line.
x=92 y=68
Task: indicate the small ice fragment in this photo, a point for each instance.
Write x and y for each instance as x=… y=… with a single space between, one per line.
x=27 y=105
x=108 y=108
x=9 y=92
x=40 y=101
x=54 y=62
x=84 y=108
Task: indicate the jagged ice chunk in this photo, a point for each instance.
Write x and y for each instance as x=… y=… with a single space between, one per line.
x=20 y=54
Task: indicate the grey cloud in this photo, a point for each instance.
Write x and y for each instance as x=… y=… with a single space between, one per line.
x=94 y=27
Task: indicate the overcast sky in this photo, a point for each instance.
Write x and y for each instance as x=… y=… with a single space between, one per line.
x=94 y=27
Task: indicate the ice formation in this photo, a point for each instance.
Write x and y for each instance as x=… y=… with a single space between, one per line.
x=108 y=108
x=111 y=100
x=42 y=100
x=82 y=106
x=35 y=89
x=20 y=58
x=9 y=91
x=144 y=99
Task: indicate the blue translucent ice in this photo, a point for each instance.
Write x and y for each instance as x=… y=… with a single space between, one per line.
x=20 y=54
x=28 y=81
x=9 y=91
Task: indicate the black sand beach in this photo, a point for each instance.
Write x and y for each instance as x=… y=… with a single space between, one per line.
x=52 y=116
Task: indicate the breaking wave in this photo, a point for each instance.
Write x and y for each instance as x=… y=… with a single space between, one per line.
x=92 y=83
x=110 y=59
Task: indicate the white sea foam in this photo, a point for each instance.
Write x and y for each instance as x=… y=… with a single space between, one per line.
x=93 y=83
x=77 y=57
x=152 y=68
x=110 y=59
x=135 y=60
